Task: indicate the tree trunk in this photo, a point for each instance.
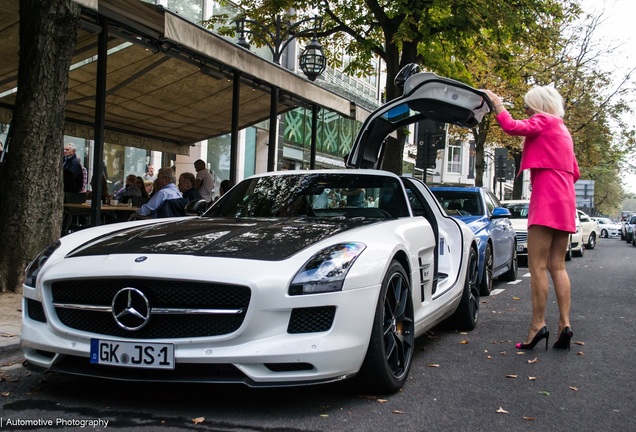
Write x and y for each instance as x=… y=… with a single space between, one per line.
x=31 y=186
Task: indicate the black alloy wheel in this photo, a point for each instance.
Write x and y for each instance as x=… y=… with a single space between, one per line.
x=485 y=286
x=388 y=360
x=467 y=313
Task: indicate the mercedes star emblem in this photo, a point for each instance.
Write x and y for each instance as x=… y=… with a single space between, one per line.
x=130 y=309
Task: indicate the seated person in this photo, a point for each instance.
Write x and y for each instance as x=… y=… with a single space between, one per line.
x=141 y=185
x=186 y=186
x=166 y=189
x=129 y=191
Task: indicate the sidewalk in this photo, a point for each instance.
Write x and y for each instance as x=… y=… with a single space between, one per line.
x=10 y=322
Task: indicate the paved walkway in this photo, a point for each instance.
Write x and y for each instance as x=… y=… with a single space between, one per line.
x=10 y=322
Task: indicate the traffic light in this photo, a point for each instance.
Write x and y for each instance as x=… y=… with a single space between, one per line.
x=431 y=136
x=510 y=170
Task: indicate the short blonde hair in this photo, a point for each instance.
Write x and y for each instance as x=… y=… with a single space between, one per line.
x=545 y=99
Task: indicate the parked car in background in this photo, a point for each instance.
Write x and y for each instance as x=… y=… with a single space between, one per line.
x=577 y=247
x=481 y=210
x=519 y=219
x=625 y=217
x=276 y=284
x=589 y=229
x=608 y=227
x=629 y=228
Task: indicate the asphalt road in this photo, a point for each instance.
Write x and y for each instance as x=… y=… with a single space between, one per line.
x=461 y=382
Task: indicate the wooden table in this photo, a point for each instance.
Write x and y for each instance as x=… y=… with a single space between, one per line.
x=77 y=216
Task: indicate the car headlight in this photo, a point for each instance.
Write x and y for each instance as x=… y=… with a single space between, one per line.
x=32 y=270
x=326 y=271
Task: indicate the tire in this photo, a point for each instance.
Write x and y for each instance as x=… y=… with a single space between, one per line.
x=388 y=360
x=467 y=313
x=591 y=241
x=604 y=234
x=580 y=252
x=511 y=274
x=485 y=286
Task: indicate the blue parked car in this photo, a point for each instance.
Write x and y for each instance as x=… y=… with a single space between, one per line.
x=481 y=210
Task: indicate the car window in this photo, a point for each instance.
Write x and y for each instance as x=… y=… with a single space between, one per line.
x=459 y=203
x=314 y=195
x=491 y=202
x=517 y=210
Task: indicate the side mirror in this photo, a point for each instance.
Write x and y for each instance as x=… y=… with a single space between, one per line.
x=500 y=213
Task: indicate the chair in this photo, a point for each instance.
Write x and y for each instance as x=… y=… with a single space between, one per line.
x=172 y=208
x=139 y=201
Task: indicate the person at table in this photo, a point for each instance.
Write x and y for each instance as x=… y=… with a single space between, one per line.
x=73 y=176
x=186 y=186
x=129 y=191
x=141 y=185
x=166 y=190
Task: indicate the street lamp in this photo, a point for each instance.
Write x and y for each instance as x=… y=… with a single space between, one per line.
x=312 y=61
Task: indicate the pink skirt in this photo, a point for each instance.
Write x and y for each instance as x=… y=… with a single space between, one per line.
x=553 y=199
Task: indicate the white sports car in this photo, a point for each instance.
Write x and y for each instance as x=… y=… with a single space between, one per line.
x=287 y=280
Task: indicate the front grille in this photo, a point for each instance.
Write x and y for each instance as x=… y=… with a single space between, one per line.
x=311 y=320
x=35 y=311
x=522 y=236
x=166 y=294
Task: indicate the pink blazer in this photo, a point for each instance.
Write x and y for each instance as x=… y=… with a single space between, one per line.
x=547 y=144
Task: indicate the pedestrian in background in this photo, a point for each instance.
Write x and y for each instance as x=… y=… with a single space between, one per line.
x=548 y=152
x=204 y=180
x=73 y=175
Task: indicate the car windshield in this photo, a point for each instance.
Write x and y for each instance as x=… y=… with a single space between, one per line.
x=459 y=203
x=314 y=195
x=517 y=210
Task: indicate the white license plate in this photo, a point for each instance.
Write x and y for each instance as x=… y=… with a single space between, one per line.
x=520 y=248
x=132 y=354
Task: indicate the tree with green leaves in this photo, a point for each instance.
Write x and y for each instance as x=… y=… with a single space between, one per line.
x=442 y=36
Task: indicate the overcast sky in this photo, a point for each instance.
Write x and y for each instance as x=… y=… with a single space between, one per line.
x=617 y=29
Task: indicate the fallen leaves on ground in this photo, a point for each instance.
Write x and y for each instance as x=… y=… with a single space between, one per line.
x=5 y=394
x=581 y=353
x=398 y=412
x=573 y=388
x=528 y=418
x=516 y=298
x=382 y=400
x=545 y=393
x=511 y=376
x=534 y=360
x=463 y=342
x=432 y=365
x=198 y=420
x=502 y=411
x=532 y=378
x=579 y=343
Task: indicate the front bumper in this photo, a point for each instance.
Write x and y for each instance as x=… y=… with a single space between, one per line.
x=268 y=348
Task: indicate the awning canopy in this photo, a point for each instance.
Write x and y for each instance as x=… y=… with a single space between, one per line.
x=169 y=82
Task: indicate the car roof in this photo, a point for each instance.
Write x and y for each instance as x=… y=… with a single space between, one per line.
x=456 y=188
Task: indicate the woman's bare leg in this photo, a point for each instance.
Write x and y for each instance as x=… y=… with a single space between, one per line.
x=560 y=278
x=539 y=248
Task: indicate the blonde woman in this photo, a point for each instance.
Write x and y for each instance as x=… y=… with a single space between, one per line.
x=548 y=152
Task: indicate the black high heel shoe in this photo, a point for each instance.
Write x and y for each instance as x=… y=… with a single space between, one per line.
x=563 y=341
x=543 y=333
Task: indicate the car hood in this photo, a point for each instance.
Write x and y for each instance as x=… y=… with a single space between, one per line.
x=258 y=239
x=519 y=224
x=426 y=96
x=476 y=223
